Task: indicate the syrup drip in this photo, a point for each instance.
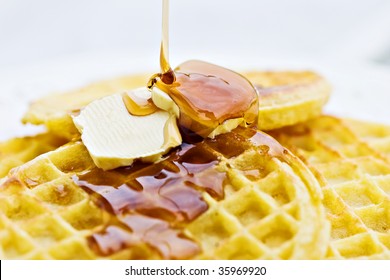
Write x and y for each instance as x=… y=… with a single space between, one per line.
x=152 y=203
x=138 y=106
x=208 y=95
x=166 y=195
x=167 y=76
x=136 y=230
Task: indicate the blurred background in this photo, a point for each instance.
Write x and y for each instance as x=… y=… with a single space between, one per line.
x=48 y=45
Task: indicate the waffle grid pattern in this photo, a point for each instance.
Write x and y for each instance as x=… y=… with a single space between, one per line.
x=262 y=218
x=351 y=158
x=267 y=213
x=17 y=151
x=44 y=221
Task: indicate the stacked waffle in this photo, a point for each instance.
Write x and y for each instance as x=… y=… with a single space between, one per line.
x=351 y=161
x=320 y=190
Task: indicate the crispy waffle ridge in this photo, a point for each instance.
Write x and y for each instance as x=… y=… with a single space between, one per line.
x=287 y=97
x=17 y=151
x=269 y=208
x=352 y=161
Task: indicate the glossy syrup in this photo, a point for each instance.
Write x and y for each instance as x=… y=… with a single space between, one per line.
x=154 y=200
x=167 y=74
x=152 y=203
x=208 y=95
x=138 y=106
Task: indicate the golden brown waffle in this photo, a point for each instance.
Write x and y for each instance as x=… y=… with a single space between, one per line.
x=377 y=136
x=54 y=110
x=17 y=151
x=289 y=97
x=351 y=158
x=285 y=98
x=271 y=208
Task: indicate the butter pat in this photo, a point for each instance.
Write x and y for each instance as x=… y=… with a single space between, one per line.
x=226 y=127
x=163 y=101
x=116 y=138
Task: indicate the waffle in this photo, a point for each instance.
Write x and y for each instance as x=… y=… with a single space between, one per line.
x=54 y=110
x=285 y=98
x=351 y=160
x=244 y=197
x=17 y=151
x=288 y=97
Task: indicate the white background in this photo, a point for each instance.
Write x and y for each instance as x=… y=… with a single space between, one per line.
x=48 y=45
x=103 y=270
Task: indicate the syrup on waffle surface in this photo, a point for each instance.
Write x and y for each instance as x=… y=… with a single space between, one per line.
x=351 y=160
x=285 y=99
x=244 y=197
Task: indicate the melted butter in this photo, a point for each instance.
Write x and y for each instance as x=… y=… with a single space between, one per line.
x=138 y=106
x=171 y=134
x=208 y=95
x=152 y=203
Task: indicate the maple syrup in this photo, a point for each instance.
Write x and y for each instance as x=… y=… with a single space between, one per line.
x=208 y=95
x=138 y=106
x=167 y=194
x=152 y=203
x=167 y=75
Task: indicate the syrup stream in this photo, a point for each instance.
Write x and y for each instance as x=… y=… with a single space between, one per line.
x=168 y=76
x=152 y=203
